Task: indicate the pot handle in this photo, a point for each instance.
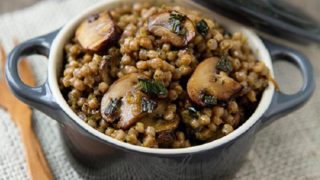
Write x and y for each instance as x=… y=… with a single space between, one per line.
x=282 y=103
x=39 y=97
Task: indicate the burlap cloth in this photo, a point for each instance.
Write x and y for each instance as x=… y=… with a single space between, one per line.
x=287 y=149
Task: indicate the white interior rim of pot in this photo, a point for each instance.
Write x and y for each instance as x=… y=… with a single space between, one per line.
x=56 y=63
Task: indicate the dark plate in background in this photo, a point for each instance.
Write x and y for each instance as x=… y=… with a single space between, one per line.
x=277 y=17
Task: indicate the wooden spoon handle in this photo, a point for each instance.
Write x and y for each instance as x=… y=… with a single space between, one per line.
x=38 y=166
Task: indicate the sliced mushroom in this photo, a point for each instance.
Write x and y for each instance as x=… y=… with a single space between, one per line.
x=97 y=32
x=104 y=71
x=155 y=119
x=120 y=90
x=165 y=138
x=205 y=80
x=159 y=25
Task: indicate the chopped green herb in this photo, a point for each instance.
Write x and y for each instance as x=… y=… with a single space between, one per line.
x=224 y=64
x=147 y=105
x=176 y=23
x=193 y=112
x=112 y=107
x=152 y=87
x=202 y=27
x=209 y=100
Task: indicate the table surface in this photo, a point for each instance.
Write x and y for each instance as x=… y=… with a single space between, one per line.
x=11 y=5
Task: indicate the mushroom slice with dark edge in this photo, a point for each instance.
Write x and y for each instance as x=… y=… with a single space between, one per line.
x=104 y=71
x=155 y=119
x=119 y=91
x=97 y=31
x=107 y=62
x=172 y=27
x=165 y=138
x=206 y=85
x=164 y=128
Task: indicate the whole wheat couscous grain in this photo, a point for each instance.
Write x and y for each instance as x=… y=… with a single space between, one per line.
x=134 y=83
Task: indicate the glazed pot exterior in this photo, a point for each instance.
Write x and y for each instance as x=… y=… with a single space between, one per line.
x=105 y=161
x=104 y=158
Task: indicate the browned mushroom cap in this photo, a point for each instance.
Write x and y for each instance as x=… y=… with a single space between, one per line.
x=154 y=119
x=159 y=25
x=97 y=31
x=119 y=90
x=205 y=80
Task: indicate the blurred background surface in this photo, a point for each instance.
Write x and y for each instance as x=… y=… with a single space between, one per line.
x=312 y=6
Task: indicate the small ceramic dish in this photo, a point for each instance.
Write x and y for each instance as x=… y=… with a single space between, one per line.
x=110 y=158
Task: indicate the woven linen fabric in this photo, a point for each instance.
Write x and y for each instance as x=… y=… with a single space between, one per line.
x=287 y=149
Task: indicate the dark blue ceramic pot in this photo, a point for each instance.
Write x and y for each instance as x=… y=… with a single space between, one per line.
x=106 y=158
